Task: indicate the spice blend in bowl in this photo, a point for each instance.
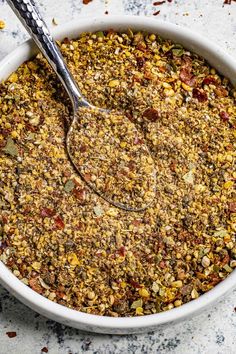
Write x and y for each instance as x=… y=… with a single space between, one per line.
x=74 y=248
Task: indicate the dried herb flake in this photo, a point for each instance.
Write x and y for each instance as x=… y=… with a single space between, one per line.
x=69 y=186
x=10 y=148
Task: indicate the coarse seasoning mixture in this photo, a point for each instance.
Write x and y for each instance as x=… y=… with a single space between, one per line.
x=74 y=248
x=111 y=155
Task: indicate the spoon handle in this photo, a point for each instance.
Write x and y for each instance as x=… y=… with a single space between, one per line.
x=31 y=19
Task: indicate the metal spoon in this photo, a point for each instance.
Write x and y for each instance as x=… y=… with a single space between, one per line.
x=127 y=175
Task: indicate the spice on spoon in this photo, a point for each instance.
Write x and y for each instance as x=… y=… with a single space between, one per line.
x=112 y=157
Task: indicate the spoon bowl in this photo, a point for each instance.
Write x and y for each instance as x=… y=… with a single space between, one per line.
x=110 y=154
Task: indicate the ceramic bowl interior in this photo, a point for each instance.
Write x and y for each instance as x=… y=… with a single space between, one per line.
x=102 y=324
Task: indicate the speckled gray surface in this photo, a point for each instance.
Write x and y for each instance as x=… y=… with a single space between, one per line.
x=212 y=332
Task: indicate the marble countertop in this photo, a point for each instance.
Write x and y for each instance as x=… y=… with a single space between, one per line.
x=214 y=331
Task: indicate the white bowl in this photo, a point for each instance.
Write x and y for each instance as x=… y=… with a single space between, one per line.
x=102 y=324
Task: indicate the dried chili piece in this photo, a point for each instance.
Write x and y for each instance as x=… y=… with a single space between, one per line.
x=11 y=334
x=209 y=80
x=80 y=194
x=151 y=114
x=157 y=3
x=187 y=77
x=232 y=207
x=140 y=61
x=200 y=95
x=47 y=212
x=135 y=284
x=121 y=251
x=34 y=284
x=220 y=91
x=59 y=223
x=224 y=116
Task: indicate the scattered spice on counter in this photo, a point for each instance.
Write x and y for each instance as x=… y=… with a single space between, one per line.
x=86 y=2
x=55 y=21
x=11 y=334
x=2 y=24
x=157 y=3
x=44 y=350
x=228 y=2
x=74 y=248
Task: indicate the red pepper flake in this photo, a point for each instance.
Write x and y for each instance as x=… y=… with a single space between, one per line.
x=186 y=74
x=79 y=226
x=33 y=283
x=157 y=3
x=59 y=223
x=121 y=251
x=87 y=177
x=200 y=95
x=138 y=141
x=4 y=219
x=225 y=260
x=151 y=114
x=3 y=245
x=44 y=350
x=136 y=79
x=131 y=165
x=148 y=75
x=46 y=212
x=232 y=207
x=215 y=279
x=142 y=47
x=187 y=77
x=173 y=166
x=5 y=132
x=140 y=61
x=156 y=13
x=220 y=91
x=60 y=294
x=224 y=116
x=209 y=80
x=86 y=2
x=66 y=173
x=30 y=127
x=130 y=116
x=80 y=194
x=82 y=148
x=135 y=284
x=136 y=222
x=11 y=334
x=162 y=264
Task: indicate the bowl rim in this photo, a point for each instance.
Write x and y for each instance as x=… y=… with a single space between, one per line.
x=227 y=66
